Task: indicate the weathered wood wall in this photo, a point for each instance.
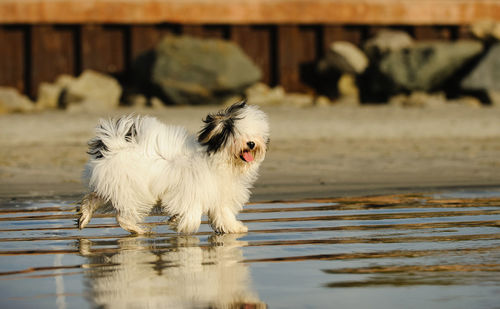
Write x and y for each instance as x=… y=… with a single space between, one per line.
x=40 y=39
x=31 y=54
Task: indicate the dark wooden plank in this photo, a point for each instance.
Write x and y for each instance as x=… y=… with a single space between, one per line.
x=464 y=32
x=52 y=54
x=332 y=33
x=296 y=54
x=256 y=43
x=426 y=33
x=12 y=57
x=204 y=31
x=104 y=48
x=145 y=37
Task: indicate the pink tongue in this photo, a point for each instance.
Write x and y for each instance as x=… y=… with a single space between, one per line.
x=248 y=156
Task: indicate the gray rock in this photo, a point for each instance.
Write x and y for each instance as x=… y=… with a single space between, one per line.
x=263 y=95
x=11 y=101
x=199 y=71
x=345 y=57
x=494 y=97
x=427 y=65
x=386 y=41
x=93 y=90
x=49 y=95
x=486 y=75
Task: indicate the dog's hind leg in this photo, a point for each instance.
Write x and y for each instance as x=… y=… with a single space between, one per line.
x=89 y=204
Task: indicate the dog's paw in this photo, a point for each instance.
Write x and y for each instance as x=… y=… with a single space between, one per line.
x=138 y=229
x=236 y=227
x=84 y=219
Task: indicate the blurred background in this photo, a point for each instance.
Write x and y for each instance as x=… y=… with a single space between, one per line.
x=298 y=52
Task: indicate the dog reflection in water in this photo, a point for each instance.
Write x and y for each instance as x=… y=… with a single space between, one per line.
x=177 y=273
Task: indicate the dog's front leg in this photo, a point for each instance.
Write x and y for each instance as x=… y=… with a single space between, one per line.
x=187 y=223
x=223 y=220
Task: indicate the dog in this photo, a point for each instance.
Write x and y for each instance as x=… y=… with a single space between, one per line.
x=137 y=163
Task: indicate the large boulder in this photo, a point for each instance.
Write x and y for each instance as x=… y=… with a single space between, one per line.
x=485 y=77
x=387 y=41
x=341 y=59
x=426 y=66
x=189 y=70
x=344 y=57
x=11 y=101
x=374 y=85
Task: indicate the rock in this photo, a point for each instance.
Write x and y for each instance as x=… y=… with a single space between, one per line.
x=11 y=101
x=347 y=101
x=418 y=99
x=322 y=101
x=486 y=75
x=494 y=98
x=201 y=71
x=427 y=65
x=156 y=103
x=93 y=91
x=467 y=101
x=136 y=100
x=348 y=90
x=261 y=94
x=49 y=96
x=345 y=57
x=65 y=80
x=299 y=99
x=375 y=86
x=386 y=41
x=347 y=86
x=486 y=29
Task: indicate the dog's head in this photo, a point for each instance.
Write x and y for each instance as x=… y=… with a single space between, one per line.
x=240 y=132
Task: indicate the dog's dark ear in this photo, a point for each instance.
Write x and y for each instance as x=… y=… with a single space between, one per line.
x=236 y=107
x=216 y=132
x=219 y=127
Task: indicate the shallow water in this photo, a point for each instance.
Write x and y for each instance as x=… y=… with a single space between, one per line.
x=411 y=251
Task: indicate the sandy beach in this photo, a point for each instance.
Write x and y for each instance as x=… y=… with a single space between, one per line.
x=315 y=152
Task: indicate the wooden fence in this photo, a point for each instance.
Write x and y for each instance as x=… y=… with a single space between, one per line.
x=39 y=42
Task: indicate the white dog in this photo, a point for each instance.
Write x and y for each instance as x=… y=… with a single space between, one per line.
x=137 y=163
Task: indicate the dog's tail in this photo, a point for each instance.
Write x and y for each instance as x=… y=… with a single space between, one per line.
x=113 y=134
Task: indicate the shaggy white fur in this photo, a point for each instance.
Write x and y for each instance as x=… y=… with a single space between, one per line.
x=138 y=162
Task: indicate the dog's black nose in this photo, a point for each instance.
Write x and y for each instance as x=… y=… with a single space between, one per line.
x=251 y=145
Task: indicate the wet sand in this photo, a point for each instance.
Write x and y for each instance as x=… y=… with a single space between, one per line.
x=398 y=251
x=314 y=152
